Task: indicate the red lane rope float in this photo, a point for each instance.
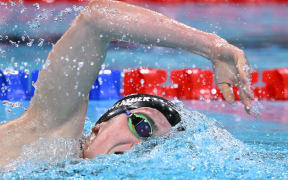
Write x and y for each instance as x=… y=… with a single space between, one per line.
x=197 y=84
x=276 y=81
x=144 y=80
x=193 y=83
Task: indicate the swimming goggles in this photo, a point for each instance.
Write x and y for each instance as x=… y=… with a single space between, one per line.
x=139 y=125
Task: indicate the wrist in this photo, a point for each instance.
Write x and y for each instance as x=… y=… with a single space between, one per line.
x=222 y=50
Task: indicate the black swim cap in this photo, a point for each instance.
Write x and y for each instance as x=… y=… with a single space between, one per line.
x=135 y=101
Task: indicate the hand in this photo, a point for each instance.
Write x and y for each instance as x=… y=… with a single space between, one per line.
x=232 y=68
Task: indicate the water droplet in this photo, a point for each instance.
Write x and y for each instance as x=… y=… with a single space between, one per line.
x=30 y=43
x=2 y=51
x=12 y=3
x=46 y=64
x=14 y=43
x=80 y=65
x=40 y=42
x=36 y=5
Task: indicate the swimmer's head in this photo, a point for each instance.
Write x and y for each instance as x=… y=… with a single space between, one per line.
x=131 y=120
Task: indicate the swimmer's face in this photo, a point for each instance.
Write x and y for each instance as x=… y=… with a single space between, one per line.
x=114 y=136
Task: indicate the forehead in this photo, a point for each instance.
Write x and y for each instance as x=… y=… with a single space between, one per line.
x=157 y=117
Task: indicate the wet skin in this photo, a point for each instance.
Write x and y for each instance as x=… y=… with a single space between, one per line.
x=60 y=102
x=114 y=136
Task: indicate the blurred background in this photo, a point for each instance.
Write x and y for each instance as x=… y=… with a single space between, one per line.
x=258 y=27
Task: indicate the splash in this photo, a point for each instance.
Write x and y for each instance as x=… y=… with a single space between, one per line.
x=46 y=150
x=13 y=105
x=197 y=147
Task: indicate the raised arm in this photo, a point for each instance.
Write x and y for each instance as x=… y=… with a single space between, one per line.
x=121 y=21
x=59 y=105
x=73 y=64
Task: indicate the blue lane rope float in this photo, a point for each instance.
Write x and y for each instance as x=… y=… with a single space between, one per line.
x=16 y=85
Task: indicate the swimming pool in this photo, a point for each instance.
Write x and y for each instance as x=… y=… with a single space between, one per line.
x=246 y=148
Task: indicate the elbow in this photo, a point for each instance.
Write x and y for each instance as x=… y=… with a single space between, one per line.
x=95 y=14
x=90 y=16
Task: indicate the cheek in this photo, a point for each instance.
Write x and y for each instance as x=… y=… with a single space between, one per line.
x=161 y=131
x=96 y=145
x=91 y=149
x=88 y=152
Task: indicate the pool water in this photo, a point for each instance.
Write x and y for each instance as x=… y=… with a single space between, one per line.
x=220 y=141
x=232 y=147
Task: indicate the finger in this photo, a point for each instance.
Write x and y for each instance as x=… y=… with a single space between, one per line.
x=244 y=84
x=227 y=92
x=244 y=71
x=245 y=94
x=246 y=99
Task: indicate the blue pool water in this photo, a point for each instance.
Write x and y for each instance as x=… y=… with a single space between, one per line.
x=220 y=141
x=246 y=148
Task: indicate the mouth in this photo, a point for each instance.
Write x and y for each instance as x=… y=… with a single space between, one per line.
x=120 y=148
x=118 y=152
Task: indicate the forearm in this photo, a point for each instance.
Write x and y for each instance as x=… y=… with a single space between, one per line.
x=62 y=89
x=134 y=24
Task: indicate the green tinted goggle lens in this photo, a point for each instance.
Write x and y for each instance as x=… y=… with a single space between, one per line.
x=140 y=125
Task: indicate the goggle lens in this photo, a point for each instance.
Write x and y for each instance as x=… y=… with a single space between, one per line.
x=140 y=125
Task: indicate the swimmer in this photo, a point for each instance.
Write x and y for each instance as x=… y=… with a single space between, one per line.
x=59 y=106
